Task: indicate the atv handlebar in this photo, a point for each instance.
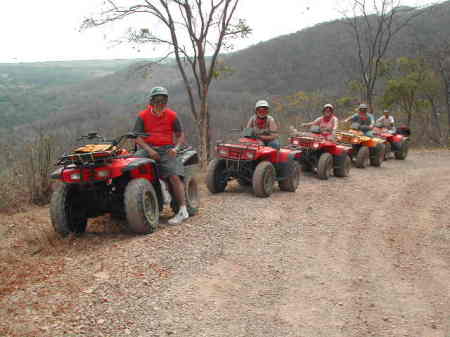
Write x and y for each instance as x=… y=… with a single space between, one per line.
x=90 y=136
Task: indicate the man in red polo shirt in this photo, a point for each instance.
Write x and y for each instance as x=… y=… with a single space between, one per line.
x=165 y=138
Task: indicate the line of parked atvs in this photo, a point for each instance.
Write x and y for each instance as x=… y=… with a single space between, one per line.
x=103 y=177
x=252 y=163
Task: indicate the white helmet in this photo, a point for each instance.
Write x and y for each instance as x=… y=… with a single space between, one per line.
x=363 y=106
x=261 y=104
x=328 y=106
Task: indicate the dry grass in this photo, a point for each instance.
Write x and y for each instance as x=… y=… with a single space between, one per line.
x=30 y=250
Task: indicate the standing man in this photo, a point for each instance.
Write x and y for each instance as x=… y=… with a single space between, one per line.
x=264 y=125
x=365 y=120
x=165 y=138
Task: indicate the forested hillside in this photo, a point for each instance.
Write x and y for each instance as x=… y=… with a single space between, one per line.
x=317 y=59
x=32 y=91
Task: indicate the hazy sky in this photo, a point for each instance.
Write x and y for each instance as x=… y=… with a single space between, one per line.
x=47 y=30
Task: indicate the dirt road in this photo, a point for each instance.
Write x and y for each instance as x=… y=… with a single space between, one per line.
x=368 y=255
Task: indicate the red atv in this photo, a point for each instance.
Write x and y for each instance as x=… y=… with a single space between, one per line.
x=103 y=177
x=320 y=154
x=252 y=163
x=397 y=143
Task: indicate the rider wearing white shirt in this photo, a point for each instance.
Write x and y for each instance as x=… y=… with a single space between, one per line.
x=386 y=121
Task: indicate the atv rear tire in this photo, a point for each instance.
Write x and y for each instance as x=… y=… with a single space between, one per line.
x=192 y=197
x=263 y=179
x=325 y=166
x=377 y=155
x=290 y=184
x=215 y=180
x=342 y=165
x=362 y=157
x=68 y=210
x=403 y=152
x=141 y=206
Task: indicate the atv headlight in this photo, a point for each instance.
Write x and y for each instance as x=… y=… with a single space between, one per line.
x=75 y=176
x=295 y=142
x=315 y=145
x=250 y=155
x=355 y=140
x=223 y=151
x=103 y=173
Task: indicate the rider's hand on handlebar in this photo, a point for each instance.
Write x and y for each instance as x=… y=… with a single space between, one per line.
x=153 y=154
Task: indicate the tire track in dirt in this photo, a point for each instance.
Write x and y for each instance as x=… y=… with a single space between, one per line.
x=398 y=244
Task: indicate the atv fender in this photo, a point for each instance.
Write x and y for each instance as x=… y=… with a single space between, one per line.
x=284 y=155
x=57 y=174
x=338 y=150
x=137 y=163
x=397 y=138
x=189 y=158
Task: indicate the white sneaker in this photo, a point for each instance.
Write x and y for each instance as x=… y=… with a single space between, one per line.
x=179 y=217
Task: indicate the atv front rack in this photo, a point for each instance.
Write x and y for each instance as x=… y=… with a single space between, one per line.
x=99 y=157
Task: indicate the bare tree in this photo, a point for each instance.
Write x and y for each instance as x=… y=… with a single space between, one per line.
x=373 y=25
x=194 y=31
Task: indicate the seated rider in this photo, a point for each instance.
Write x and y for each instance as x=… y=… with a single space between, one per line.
x=328 y=123
x=263 y=125
x=165 y=138
x=386 y=121
x=364 y=120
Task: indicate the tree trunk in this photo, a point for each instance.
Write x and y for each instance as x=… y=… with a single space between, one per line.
x=204 y=130
x=436 y=132
x=409 y=118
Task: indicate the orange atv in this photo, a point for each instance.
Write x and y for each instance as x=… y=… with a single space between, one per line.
x=365 y=150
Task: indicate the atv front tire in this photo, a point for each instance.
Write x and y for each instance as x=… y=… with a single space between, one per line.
x=263 y=179
x=290 y=184
x=403 y=152
x=68 y=210
x=325 y=166
x=342 y=165
x=362 y=157
x=215 y=179
x=377 y=155
x=141 y=206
